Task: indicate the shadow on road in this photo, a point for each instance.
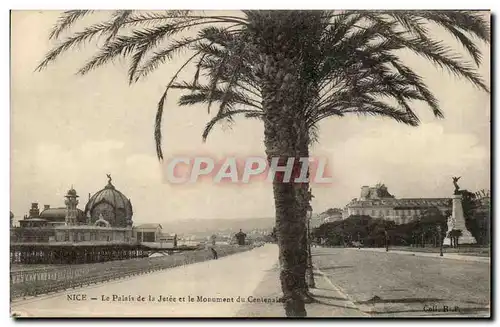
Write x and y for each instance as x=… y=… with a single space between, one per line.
x=459 y=312
x=324 y=254
x=330 y=297
x=377 y=299
x=335 y=305
x=335 y=267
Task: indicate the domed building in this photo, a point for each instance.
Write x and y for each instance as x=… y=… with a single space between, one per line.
x=58 y=215
x=109 y=207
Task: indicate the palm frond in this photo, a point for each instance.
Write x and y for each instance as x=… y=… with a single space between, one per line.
x=119 y=17
x=161 y=104
x=472 y=22
x=228 y=115
x=141 y=41
x=344 y=62
x=200 y=94
x=66 y=20
x=418 y=83
x=158 y=58
x=445 y=57
x=105 y=28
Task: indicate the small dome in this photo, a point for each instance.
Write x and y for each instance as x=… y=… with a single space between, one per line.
x=71 y=192
x=111 y=205
x=59 y=215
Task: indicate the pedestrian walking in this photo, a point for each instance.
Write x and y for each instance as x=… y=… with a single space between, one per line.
x=214 y=253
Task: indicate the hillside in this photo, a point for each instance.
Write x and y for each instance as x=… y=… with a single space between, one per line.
x=203 y=226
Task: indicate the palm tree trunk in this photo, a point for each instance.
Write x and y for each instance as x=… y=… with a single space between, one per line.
x=304 y=205
x=280 y=138
x=286 y=91
x=289 y=225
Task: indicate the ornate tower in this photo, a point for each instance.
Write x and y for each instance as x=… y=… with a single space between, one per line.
x=71 y=211
x=34 y=211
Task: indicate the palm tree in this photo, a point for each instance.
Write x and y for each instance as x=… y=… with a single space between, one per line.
x=290 y=69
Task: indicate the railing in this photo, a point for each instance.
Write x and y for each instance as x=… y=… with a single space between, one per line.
x=37 y=281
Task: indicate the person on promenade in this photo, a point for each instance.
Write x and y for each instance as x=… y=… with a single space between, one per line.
x=214 y=253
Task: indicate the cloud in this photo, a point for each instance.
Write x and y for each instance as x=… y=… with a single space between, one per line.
x=424 y=158
x=46 y=173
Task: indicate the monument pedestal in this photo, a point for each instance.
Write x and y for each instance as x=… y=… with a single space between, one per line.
x=457 y=221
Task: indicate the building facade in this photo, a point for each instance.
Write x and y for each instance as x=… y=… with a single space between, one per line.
x=148 y=232
x=107 y=219
x=377 y=202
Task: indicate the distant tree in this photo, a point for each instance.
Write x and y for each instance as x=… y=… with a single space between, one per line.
x=430 y=219
x=370 y=231
x=476 y=220
x=331 y=211
x=479 y=226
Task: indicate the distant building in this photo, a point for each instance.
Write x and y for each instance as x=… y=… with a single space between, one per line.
x=107 y=218
x=331 y=215
x=328 y=216
x=50 y=217
x=377 y=202
x=240 y=237
x=148 y=232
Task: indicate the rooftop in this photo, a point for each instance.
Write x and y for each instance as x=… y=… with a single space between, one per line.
x=148 y=226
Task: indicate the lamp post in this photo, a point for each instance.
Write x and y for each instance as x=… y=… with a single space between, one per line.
x=440 y=241
x=310 y=275
x=386 y=241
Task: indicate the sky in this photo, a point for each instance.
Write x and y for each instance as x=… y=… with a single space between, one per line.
x=68 y=130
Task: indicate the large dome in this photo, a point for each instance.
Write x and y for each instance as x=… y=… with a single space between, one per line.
x=111 y=205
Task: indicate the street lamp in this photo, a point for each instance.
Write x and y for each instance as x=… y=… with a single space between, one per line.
x=386 y=240
x=310 y=275
x=440 y=241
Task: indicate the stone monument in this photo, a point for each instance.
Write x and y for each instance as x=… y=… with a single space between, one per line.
x=457 y=219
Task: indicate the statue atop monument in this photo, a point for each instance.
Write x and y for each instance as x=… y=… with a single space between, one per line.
x=109 y=186
x=457 y=220
x=457 y=188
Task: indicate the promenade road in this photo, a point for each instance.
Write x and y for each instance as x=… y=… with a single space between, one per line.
x=225 y=278
x=349 y=283
x=399 y=284
x=453 y=256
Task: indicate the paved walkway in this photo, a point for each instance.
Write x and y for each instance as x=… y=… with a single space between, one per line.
x=224 y=279
x=395 y=285
x=247 y=285
x=330 y=301
x=454 y=256
x=248 y=281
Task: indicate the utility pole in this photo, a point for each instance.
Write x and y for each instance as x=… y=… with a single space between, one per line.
x=440 y=240
x=386 y=240
x=310 y=275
